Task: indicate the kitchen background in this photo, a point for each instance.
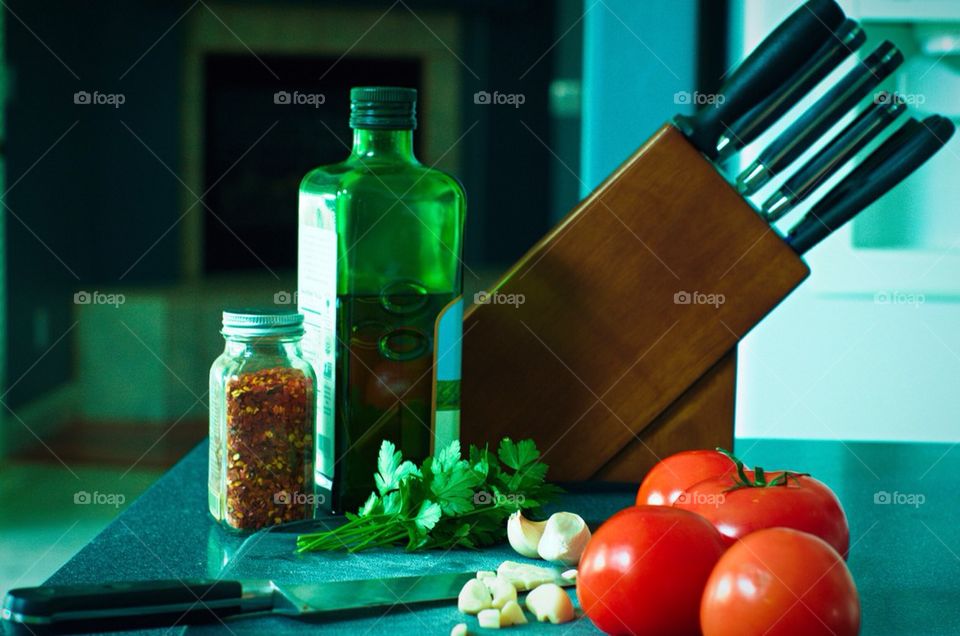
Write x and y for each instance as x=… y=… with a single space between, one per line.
x=151 y=152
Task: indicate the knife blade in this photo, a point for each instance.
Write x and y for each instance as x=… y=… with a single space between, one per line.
x=142 y=604
x=845 y=41
x=820 y=117
x=860 y=132
x=780 y=54
x=901 y=154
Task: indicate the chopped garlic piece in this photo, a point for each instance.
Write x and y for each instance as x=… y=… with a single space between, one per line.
x=460 y=629
x=489 y=618
x=570 y=575
x=526 y=577
x=549 y=602
x=501 y=589
x=474 y=597
x=512 y=614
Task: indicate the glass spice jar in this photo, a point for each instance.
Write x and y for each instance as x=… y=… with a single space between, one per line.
x=262 y=404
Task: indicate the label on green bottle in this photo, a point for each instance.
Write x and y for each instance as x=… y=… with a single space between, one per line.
x=317 y=300
x=448 y=336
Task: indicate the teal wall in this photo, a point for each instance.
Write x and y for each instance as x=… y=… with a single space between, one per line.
x=636 y=56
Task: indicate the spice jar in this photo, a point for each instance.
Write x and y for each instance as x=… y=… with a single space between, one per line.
x=262 y=402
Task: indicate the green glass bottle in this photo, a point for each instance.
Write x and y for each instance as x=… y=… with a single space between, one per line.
x=380 y=241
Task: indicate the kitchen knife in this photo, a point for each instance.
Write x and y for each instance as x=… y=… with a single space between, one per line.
x=846 y=39
x=780 y=55
x=901 y=154
x=827 y=111
x=143 y=604
x=861 y=131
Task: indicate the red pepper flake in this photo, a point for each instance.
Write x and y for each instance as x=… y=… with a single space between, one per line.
x=269 y=447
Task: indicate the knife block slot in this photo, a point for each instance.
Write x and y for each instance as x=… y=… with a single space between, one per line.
x=623 y=349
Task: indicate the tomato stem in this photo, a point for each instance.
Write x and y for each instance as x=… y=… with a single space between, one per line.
x=742 y=480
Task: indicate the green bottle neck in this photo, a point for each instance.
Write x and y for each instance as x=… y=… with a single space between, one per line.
x=374 y=144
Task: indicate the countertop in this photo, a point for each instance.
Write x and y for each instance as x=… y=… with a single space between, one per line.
x=904 y=557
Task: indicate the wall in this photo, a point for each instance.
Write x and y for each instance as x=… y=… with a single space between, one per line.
x=637 y=56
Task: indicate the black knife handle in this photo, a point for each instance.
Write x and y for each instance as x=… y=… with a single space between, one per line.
x=780 y=55
x=114 y=606
x=899 y=156
x=846 y=39
x=830 y=108
x=851 y=140
x=820 y=117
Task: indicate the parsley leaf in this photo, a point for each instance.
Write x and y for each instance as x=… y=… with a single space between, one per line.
x=447 y=502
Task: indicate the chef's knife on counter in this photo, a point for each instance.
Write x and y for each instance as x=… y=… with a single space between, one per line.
x=860 y=132
x=820 y=117
x=901 y=154
x=845 y=41
x=142 y=604
x=781 y=54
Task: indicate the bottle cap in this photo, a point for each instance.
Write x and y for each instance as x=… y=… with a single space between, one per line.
x=383 y=107
x=262 y=322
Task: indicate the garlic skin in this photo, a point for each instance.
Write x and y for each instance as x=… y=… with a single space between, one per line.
x=512 y=614
x=524 y=535
x=474 y=597
x=549 y=602
x=564 y=538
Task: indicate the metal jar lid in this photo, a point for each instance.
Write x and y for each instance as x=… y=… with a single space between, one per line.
x=262 y=322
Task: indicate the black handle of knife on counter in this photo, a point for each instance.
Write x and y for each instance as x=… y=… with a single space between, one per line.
x=826 y=112
x=112 y=606
x=851 y=140
x=845 y=41
x=780 y=55
x=901 y=154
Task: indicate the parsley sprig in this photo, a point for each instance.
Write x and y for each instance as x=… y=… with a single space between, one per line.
x=448 y=501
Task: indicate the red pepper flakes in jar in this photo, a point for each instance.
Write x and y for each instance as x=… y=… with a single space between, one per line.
x=262 y=405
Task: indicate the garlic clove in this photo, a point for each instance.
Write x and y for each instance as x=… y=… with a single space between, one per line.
x=460 y=629
x=489 y=619
x=474 y=597
x=512 y=614
x=564 y=538
x=502 y=591
x=549 y=602
x=524 y=535
x=486 y=574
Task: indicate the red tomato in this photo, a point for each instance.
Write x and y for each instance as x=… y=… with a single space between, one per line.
x=643 y=571
x=780 y=582
x=671 y=476
x=800 y=502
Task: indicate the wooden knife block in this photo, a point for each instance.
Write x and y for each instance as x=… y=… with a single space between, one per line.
x=586 y=344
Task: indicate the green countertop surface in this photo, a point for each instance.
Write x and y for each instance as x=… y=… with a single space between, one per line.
x=904 y=557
